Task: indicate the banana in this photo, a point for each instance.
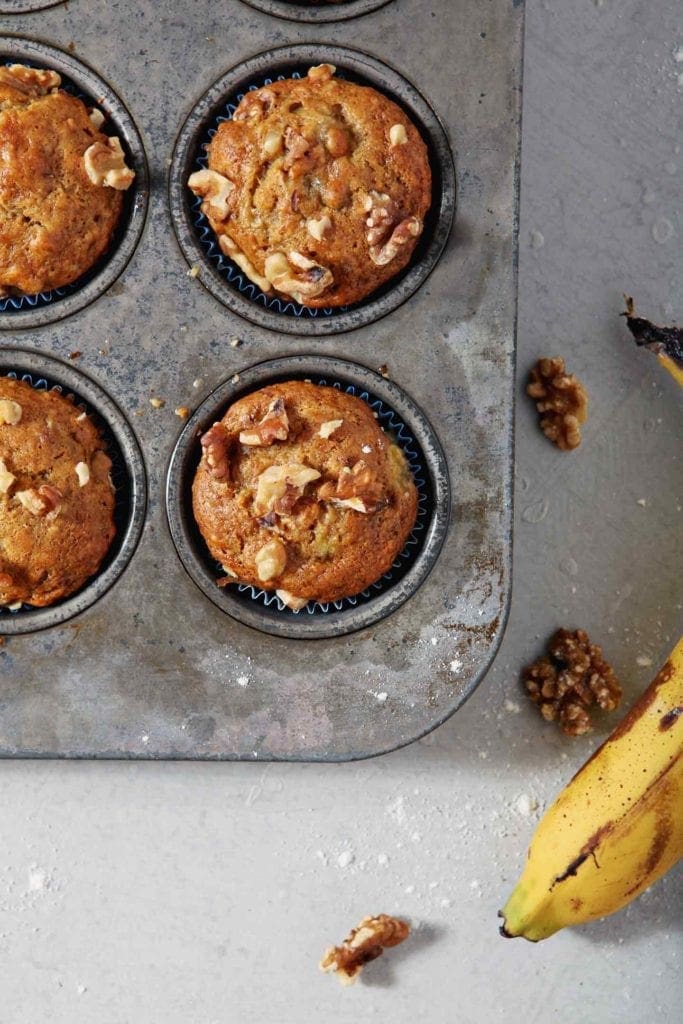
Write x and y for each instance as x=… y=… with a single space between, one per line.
x=617 y=826
x=665 y=342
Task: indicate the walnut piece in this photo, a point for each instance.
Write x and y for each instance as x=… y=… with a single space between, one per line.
x=279 y=487
x=273 y=427
x=398 y=135
x=365 y=943
x=328 y=428
x=570 y=680
x=387 y=233
x=215 y=189
x=356 y=488
x=216 y=447
x=318 y=227
x=321 y=72
x=6 y=478
x=105 y=164
x=32 y=81
x=83 y=473
x=42 y=502
x=243 y=262
x=96 y=118
x=10 y=412
x=290 y=601
x=272 y=144
x=271 y=560
x=561 y=400
x=311 y=282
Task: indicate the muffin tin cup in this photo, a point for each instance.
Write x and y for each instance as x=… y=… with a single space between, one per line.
x=46 y=307
x=128 y=475
x=317 y=15
x=198 y=243
x=262 y=610
x=27 y=6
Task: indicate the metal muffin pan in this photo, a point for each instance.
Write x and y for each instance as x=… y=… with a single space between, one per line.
x=323 y=12
x=196 y=239
x=82 y=81
x=26 y=6
x=128 y=476
x=154 y=668
x=390 y=592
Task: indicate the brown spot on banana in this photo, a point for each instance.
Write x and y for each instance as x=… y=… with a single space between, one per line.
x=670 y=719
x=587 y=850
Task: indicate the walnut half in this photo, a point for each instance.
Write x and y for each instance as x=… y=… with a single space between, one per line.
x=214 y=189
x=573 y=678
x=273 y=427
x=216 y=444
x=44 y=501
x=561 y=400
x=307 y=280
x=356 y=488
x=387 y=233
x=365 y=943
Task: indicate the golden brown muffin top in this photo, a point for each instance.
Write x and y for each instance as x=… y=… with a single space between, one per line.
x=317 y=188
x=56 y=498
x=60 y=183
x=300 y=491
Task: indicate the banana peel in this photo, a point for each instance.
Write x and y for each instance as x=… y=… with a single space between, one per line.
x=618 y=825
x=665 y=342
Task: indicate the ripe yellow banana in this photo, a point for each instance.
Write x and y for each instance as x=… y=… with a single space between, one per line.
x=665 y=342
x=617 y=826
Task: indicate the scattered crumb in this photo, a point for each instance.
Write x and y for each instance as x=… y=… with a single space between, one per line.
x=76 y=354
x=642 y=502
x=235 y=378
x=145 y=738
x=81 y=990
x=512 y=706
x=157 y=403
x=193 y=272
x=381 y=697
x=382 y=859
x=197 y=383
x=182 y=412
x=455 y=665
x=235 y=342
x=346 y=858
x=525 y=804
x=383 y=369
x=643 y=661
x=243 y=680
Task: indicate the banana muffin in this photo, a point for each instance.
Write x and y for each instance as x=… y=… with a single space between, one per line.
x=56 y=497
x=61 y=181
x=317 y=188
x=300 y=491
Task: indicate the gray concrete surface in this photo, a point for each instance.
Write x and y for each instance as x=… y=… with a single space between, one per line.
x=204 y=894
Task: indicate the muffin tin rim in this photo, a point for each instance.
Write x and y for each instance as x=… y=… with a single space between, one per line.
x=183 y=462
x=22 y=47
x=317 y=15
x=387 y=80
x=32 y=361
x=30 y=7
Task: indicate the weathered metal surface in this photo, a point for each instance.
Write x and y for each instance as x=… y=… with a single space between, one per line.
x=154 y=668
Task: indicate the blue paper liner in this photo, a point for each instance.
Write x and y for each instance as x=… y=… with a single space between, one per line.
x=119 y=477
x=399 y=433
x=14 y=303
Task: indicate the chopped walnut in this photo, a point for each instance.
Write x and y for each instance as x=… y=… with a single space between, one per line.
x=243 y=262
x=290 y=601
x=568 y=682
x=271 y=560
x=216 y=445
x=356 y=488
x=105 y=164
x=398 y=135
x=365 y=943
x=272 y=144
x=279 y=487
x=561 y=400
x=273 y=427
x=337 y=142
x=311 y=282
x=32 y=81
x=302 y=156
x=215 y=190
x=321 y=72
x=254 y=105
x=42 y=502
x=318 y=227
x=328 y=428
x=387 y=234
x=10 y=412
x=83 y=473
x=96 y=118
x=6 y=478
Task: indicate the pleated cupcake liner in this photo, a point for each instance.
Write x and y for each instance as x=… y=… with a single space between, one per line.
x=400 y=434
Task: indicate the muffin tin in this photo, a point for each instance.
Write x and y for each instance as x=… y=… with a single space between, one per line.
x=316 y=13
x=150 y=659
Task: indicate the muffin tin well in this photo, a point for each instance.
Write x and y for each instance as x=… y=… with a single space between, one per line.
x=317 y=13
x=411 y=430
x=34 y=310
x=197 y=241
x=127 y=473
